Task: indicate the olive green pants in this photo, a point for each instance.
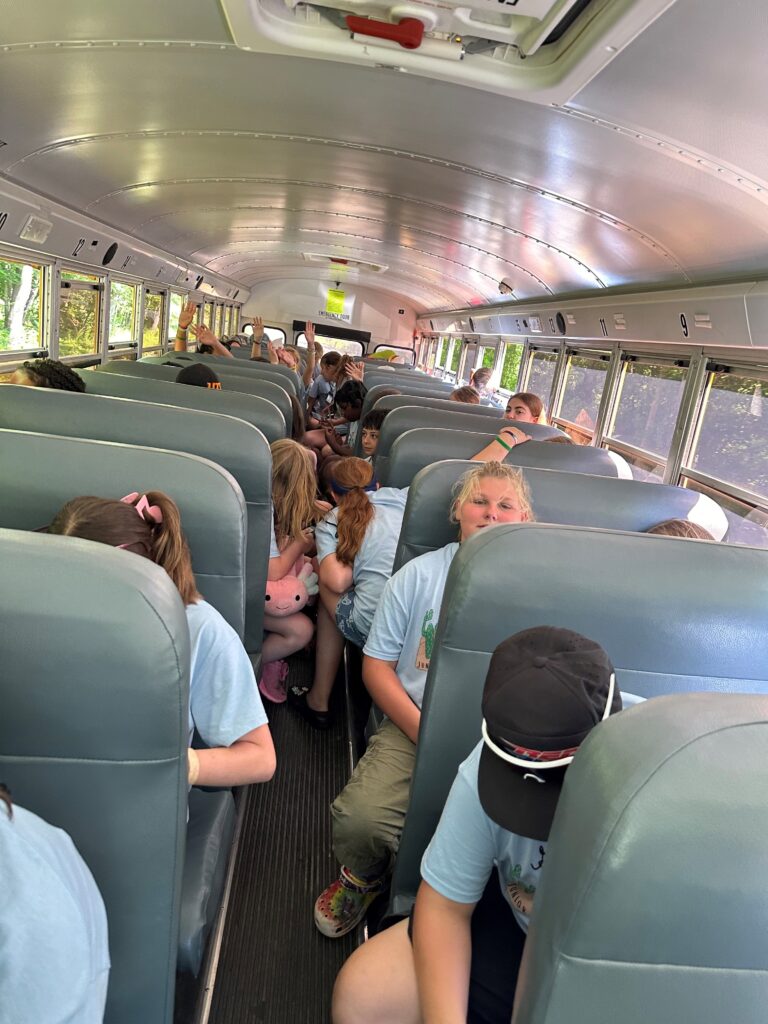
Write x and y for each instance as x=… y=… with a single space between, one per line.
x=369 y=812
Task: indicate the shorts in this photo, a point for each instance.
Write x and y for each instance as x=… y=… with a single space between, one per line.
x=347 y=628
x=498 y=942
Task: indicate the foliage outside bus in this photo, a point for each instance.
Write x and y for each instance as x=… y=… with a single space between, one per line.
x=19 y=306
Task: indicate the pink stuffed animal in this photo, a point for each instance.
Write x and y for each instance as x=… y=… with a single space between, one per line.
x=291 y=593
x=286 y=597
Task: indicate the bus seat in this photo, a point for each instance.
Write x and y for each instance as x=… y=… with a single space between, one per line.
x=236 y=446
x=275 y=372
x=390 y=402
x=210 y=831
x=41 y=472
x=652 y=903
x=575 y=499
x=93 y=734
x=673 y=615
x=228 y=402
x=243 y=384
x=412 y=417
x=416 y=390
x=415 y=449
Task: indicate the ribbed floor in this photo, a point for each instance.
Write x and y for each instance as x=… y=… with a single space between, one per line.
x=275 y=967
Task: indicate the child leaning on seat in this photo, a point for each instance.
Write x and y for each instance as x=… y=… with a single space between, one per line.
x=224 y=702
x=368 y=815
x=458 y=957
x=295 y=510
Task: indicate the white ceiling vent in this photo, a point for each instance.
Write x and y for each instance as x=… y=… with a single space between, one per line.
x=541 y=50
x=341 y=264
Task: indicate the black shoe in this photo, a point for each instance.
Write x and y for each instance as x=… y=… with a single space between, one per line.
x=297 y=698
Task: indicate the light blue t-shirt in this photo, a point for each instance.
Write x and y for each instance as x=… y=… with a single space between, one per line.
x=405 y=622
x=373 y=563
x=468 y=844
x=54 y=954
x=224 y=700
x=322 y=392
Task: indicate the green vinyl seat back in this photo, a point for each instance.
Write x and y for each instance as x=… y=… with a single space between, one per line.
x=41 y=472
x=445 y=405
x=413 y=417
x=674 y=615
x=420 y=447
x=93 y=733
x=246 y=406
x=236 y=446
x=573 y=499
x=233 y=444
x=277 y=373
x=652 y=903
x=376 y=392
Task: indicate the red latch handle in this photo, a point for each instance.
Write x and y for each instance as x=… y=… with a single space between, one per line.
x=408 y=32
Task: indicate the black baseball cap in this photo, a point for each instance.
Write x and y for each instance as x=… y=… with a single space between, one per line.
x=546 y=689
x=199 y=375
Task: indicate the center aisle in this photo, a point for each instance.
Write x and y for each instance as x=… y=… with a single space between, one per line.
x=275 y=967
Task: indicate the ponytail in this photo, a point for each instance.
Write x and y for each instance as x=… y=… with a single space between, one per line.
x=148 y=525
x=350 y=480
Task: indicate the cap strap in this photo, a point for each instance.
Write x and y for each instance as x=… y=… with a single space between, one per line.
x=609 y=702
x=519 y=761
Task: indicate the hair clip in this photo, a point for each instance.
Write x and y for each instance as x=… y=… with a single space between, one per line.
x=153 y=513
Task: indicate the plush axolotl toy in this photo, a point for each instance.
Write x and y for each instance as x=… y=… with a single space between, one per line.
x=291 y=593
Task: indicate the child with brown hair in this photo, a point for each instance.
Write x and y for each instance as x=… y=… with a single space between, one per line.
x=224 y=702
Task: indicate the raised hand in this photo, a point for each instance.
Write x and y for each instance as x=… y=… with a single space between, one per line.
x=187 y=315
x=356 y=371
x=258 y=328
x=309 y=334
x=203 y=335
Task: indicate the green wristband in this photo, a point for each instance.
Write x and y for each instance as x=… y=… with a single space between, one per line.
x=504 y=444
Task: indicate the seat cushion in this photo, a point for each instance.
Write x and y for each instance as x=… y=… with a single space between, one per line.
x=210 y=830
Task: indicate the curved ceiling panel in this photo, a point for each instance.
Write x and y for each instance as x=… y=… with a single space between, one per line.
x=244 y=162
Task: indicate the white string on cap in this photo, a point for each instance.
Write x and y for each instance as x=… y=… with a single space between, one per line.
x=542 y=765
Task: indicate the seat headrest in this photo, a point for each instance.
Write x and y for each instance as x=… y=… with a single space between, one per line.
x=653 y=904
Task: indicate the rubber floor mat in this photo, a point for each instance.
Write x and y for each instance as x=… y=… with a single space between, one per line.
x=275 y=967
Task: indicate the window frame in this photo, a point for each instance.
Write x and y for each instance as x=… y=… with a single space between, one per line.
x=110 y=347
x=87 y=279
x=607 y=355
x=162 y=327
x=45 y=268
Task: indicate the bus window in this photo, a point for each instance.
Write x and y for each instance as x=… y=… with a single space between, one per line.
x=585 y=378
x=645 y=415
x=153 y=318
x=78 y=314
x=176 y=300
x=208 y=314
x=405 y=356
x=218 y=328
x=510 y=368
x=729 y=456
x=226 y=324
x=21 y=306
x=488 y=357
x=122 y=313
x=541 y=375
x=347 y=348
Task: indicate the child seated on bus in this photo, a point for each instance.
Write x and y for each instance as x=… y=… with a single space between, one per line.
x=680 y=528
x=47 y=373
x=371 y=430
x=368 y=814
x=342 y=438
x=199 y=375
x=480 y=380
x=295 y=510
x=465 y=395
x=53 y=924
x=525 y=407
x=224 y=702
x=322 y=391
x=458 y=957
x=356 y=544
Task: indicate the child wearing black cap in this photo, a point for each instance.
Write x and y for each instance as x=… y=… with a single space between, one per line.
x=459 y=956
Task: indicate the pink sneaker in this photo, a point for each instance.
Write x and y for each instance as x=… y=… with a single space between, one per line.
x=273 y=681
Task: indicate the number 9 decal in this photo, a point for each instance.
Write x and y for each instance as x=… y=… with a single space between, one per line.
x=684 y=325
